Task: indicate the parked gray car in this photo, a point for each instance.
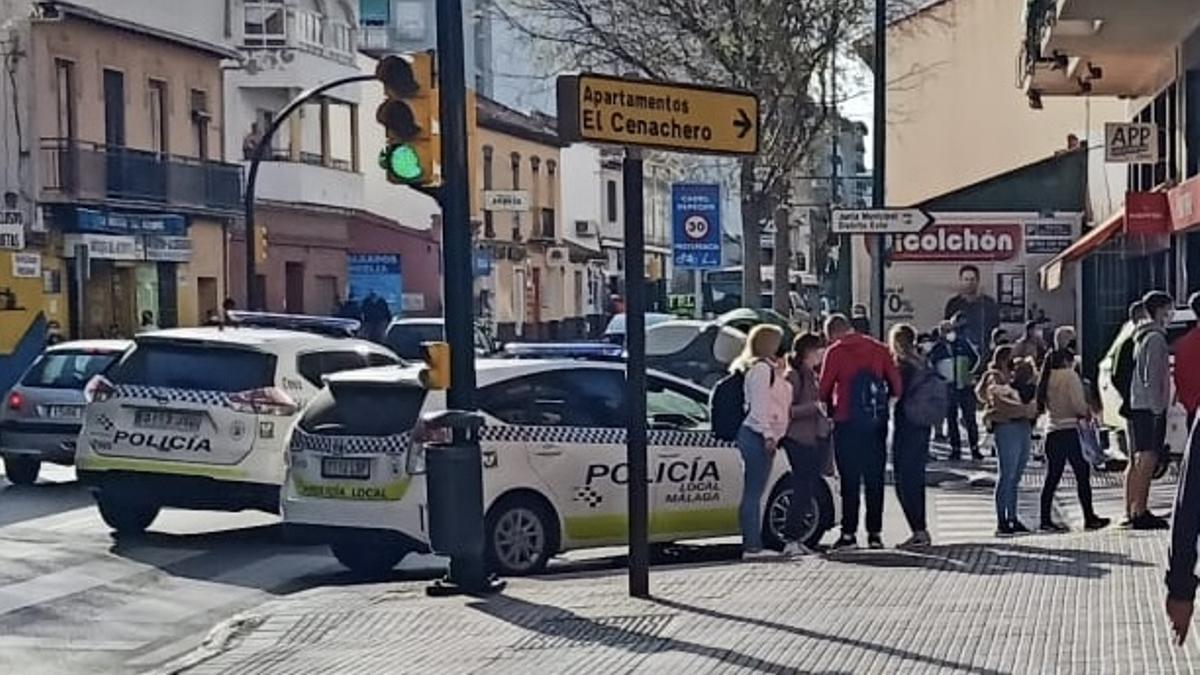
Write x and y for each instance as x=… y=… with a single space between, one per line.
x=41 y=415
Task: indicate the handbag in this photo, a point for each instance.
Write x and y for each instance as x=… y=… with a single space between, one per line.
x=1089 y=442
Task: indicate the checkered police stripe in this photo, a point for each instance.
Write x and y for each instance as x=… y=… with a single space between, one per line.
x=596 y=436
x=173 y=395
x=349 y=445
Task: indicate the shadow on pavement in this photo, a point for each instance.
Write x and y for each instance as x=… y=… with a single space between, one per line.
x=996 y=559
x=557 y=626
x=19 y=503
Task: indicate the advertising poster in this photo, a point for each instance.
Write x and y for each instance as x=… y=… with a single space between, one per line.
x=377 y=273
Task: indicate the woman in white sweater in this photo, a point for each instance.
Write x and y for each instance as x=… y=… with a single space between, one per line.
x=768 y=402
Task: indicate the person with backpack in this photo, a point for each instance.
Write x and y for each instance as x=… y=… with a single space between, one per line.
x=768 y=398
x=807 y=435
x=924 y=403
x=858 y=378
x=1149 y=400
x=1008 y=393
x=955 y=359
x=1120 y=354
x=1061 y=394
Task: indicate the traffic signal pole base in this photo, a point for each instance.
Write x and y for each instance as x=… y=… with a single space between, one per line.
x=467 y=576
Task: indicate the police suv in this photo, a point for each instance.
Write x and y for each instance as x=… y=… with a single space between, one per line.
x=197 y=418
x=554 y=465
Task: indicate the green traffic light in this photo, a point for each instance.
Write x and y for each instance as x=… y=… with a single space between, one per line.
x=402 y=162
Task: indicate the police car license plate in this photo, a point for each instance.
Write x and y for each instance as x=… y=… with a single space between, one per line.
x=64 y=412
x=167 y=420
x=342 y=467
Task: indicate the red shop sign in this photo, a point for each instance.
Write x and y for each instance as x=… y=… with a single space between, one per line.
x=1147 y=214
x=1185 y=204
x=980 y=242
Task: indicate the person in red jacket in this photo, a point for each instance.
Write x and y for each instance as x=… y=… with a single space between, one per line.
x=1187 y=364
x=859 y=436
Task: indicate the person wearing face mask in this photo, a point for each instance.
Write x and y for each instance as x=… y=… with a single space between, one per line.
x=955 y=359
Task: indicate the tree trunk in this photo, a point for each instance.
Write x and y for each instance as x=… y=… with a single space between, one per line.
x=751 y=236
x=782 y=300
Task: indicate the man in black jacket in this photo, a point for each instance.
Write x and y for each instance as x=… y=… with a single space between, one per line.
x=1185 y=528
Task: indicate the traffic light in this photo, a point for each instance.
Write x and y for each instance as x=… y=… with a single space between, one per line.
x=436 y=373
x=409 y=114
x=260 y=242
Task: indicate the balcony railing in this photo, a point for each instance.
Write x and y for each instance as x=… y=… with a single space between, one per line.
x=93 y=171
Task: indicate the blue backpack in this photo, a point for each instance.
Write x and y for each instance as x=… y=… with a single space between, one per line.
x=869 y=395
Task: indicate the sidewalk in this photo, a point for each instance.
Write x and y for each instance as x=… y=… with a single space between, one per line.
x=1078 y=603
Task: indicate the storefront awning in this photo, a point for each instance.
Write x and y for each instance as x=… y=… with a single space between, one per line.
x=1051 y=272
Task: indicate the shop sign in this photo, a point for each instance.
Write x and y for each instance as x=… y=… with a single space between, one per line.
x=1147 y=214
x=1185 y=204
x=12 y=230
x=104 y=246
x=1130 y=143
x=111 y=222
x=27 y=265
x=378 y=273
x=168 y=248
x=506 y=200
x=959 y=243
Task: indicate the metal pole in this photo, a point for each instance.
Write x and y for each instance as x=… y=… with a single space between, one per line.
x=635 y=376
x=256 y=159
x=879 y=282
x=466 y=571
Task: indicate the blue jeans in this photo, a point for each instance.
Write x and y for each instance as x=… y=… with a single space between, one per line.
x=1013 y=442
x=755 y=467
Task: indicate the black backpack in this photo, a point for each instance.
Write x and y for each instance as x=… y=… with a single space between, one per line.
x=727 y=406
x=1123 y=366
x=869 y=400
x=927 y=399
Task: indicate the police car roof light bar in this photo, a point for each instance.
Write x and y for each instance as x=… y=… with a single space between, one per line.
x=322 y=325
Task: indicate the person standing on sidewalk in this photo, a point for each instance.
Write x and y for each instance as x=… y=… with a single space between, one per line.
x=858 y=377
x=807 y=435
x=1031 y=345
x=1061 y=394
x=910 y=437
x=1187 y=364
x=1010 y=407
x=955 y=359
x=1149 y=399
x=1185 y=530
x=768 y=398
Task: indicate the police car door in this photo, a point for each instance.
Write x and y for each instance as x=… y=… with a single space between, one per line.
x=570 y=424
x=696 y=480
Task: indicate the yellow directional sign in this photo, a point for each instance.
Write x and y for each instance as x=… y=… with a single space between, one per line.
x=670 y=116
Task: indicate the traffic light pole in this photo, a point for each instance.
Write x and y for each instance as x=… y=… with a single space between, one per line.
x=635 y=374
x=878 y=196
x=257 y=158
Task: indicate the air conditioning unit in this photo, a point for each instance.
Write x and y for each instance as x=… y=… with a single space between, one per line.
x=584 y=228
x=557 y=256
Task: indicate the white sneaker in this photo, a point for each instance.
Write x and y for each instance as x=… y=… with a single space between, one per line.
x=761 y=554
x=795 y=549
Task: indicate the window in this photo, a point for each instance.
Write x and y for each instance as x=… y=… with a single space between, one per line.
x=188 y=366
x=265 y=24
x=535 y=166
x=68 y=370
x=489 y=226
x=200 y=117
x=551 y=170
x=364 y=409
x=581 y=397
x=158 y=116
x=376 y=359
x=341 y=37
x=313 y=365
x=405 y=338
x=64 y=75
x=610 y=201
x=516 y=185
x=672 y=406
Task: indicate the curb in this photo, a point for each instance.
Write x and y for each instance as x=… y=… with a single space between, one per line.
x=222 y=638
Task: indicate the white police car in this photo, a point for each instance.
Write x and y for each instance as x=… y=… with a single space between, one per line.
x=197 y=418
x=554 y=458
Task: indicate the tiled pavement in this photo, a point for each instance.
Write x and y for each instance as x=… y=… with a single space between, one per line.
x=1075 y=603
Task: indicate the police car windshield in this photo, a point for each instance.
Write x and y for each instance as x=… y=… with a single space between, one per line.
x=67 y=370
x=199 y=367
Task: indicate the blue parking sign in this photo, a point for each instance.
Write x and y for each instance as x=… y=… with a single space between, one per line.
x=696 y=225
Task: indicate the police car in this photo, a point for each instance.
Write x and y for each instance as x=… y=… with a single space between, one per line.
x=197 y=418
x=554 y=465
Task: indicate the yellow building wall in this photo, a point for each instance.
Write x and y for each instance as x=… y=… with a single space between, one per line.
x=208 y=262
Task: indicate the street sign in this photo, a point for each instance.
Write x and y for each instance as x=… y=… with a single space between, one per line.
x=505 y=200
x=696 y=221
x=669 y=116
x=1130 y=143
x=880 y=221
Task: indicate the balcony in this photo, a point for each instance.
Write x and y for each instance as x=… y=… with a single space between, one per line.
x=91 y=172
x=1102 y=47
x=269 y=24
x=309 y=181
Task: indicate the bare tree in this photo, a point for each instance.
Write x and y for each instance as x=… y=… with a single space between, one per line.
x=775 y=48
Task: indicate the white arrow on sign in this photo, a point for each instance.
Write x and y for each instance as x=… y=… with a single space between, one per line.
x=880 y=221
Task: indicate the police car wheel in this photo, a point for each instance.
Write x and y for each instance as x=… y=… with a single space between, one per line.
x=812 y=526
x=367 y=557
x=520 y=536
x=125 y=515
x=22 y=470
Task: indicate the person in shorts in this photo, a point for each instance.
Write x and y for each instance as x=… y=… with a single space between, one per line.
x=1149 y=399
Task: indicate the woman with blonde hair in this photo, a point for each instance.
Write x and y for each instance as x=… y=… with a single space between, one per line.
x=768 y=399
